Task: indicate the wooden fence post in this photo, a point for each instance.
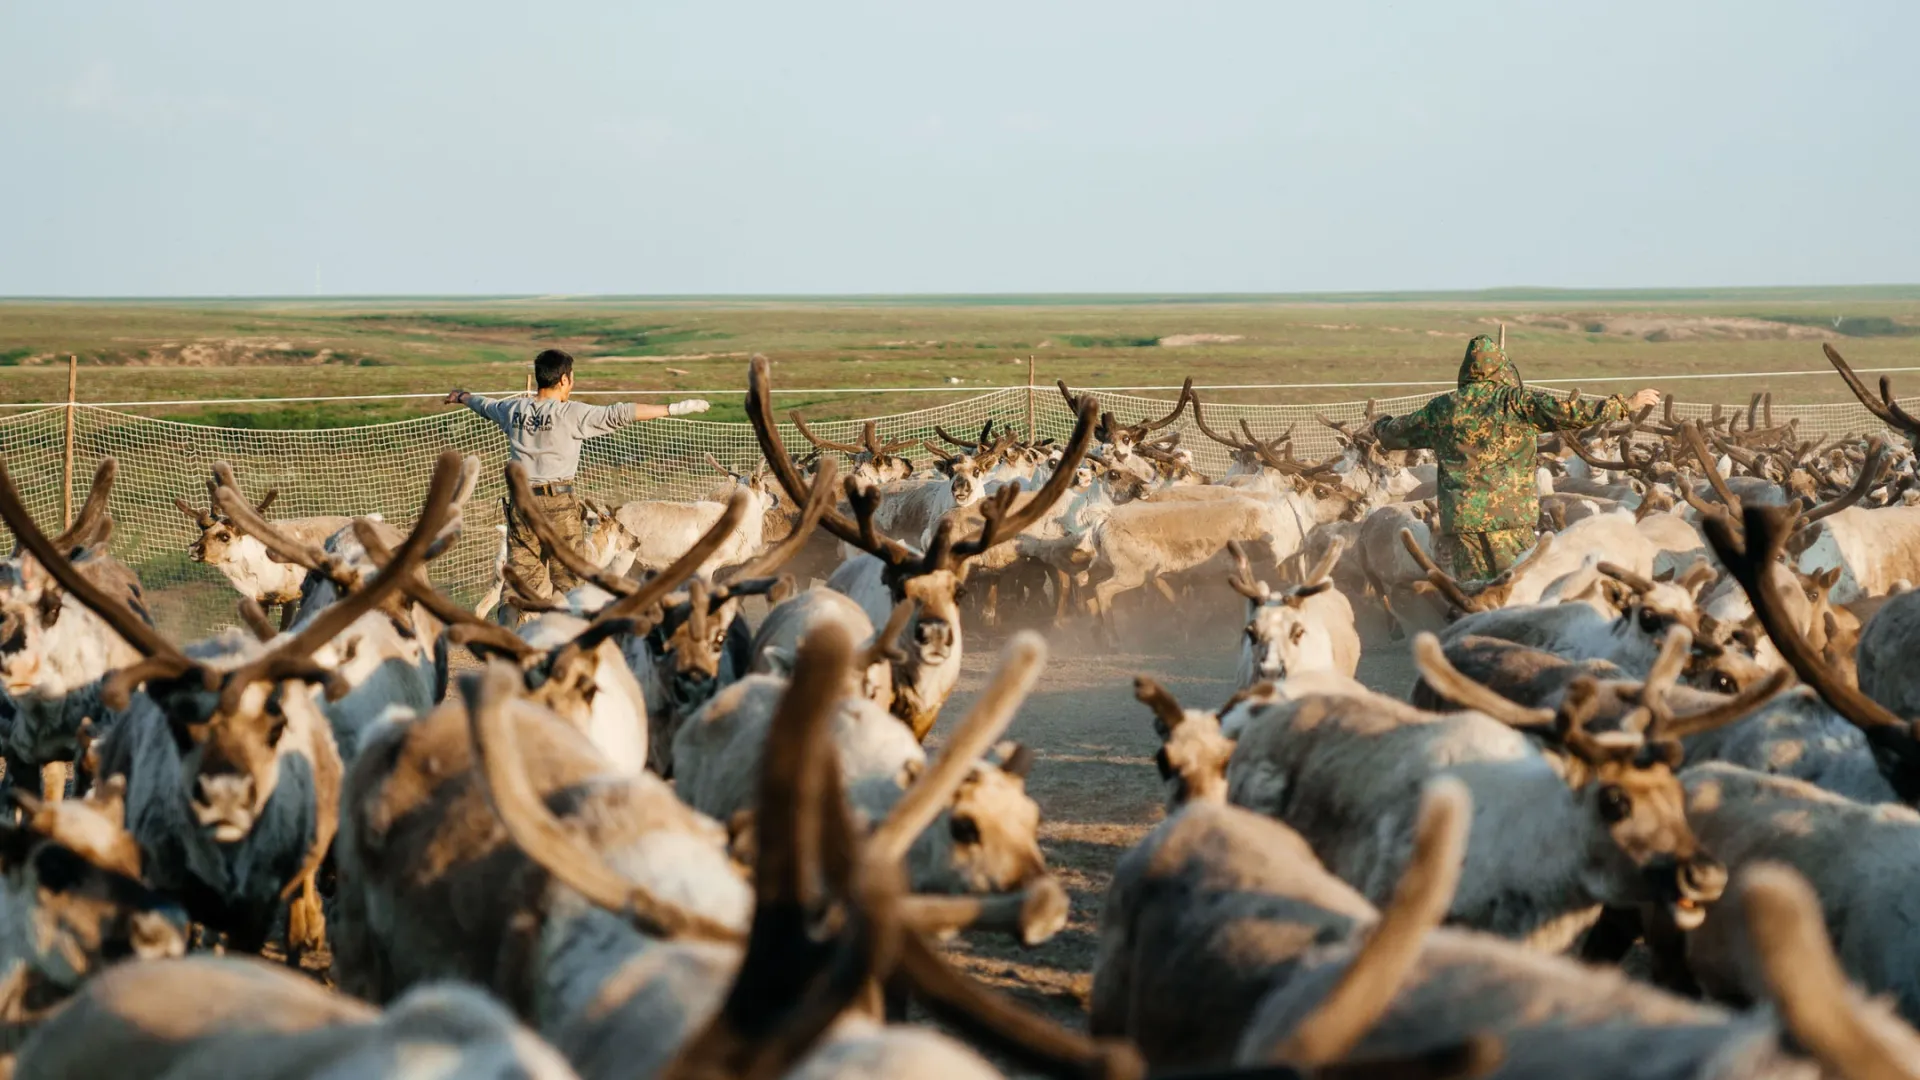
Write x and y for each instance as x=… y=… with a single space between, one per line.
x=66 y=487
x=1029 y=399
x=1503 y=337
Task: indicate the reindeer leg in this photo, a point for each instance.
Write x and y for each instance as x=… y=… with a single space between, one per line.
x=53 y=780
x=1062 y=596
x=1166 y=590
x=306 y=921
x=990 y=611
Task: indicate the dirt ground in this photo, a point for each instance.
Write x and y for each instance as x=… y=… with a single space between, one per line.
x=1094 y=777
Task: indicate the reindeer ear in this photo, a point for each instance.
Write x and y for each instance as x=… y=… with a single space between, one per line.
x=910 y=772
x=743 y=842
x=1019 y=761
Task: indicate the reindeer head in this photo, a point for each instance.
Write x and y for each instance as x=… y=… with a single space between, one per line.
x=1193 y=754
x=72 y=876
x=873 y=461
x=218 y=533
x=1640 y=847
x=1282 y=636
x=992 y=837
x=1643 y=848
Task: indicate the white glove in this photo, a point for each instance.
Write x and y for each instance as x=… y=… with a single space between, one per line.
x=691 y=405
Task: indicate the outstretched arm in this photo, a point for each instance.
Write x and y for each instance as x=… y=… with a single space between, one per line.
x=492 y=410
x=1549 y=413
x=1413 y=431
x=599 y=420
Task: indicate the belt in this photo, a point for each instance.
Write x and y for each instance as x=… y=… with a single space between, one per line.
x=558 y=487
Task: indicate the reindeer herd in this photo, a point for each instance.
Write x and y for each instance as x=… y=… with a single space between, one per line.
x=1647 y=810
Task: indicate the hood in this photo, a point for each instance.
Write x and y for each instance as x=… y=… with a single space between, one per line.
x=1486 y=362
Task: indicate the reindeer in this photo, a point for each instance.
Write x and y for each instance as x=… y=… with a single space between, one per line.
x=654 y=532
x=1555 y=835
x=1863 y=861
x=393 y=657
x=1218 y=905
x=72 y=901
x=893 y=572
x=873 y=462
x=1886 y=645
x=1790 y=733
x=776 y=644
x=590 y=670
x=1400 y=580
x=232 y=770
x=1309 y=627
x=986 y=840
x=1600 y=612
x=236 y=1018
x=54 y=654
x=1119 y=443
x=621 y=1003
x=1612 y=538
x=1554 y=1017
x=1750 y=550
x=418 y=840
x=244 y=559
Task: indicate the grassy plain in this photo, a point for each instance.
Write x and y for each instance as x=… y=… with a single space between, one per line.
x=257 y=348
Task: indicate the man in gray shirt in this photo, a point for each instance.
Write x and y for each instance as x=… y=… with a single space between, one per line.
x=544 y=433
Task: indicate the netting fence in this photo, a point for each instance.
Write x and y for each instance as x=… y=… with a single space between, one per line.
x=383 y=468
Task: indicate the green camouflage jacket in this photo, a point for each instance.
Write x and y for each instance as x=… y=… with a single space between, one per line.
x=1484 y=436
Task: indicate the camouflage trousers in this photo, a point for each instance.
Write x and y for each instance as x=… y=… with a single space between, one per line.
x=532 y=560
x=1479 y=556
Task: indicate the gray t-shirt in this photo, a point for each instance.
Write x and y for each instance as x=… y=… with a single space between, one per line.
x=545 y=435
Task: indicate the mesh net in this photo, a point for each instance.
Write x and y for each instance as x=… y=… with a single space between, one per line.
x=383 y=469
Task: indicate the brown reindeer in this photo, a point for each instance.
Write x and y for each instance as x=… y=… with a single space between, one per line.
x=232 y=770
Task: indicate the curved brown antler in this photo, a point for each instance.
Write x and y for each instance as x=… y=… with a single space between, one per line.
x=1179 y=406
x=771 y=560
x=1201 y=422
x=138 y=633
x=824 y=444
x=1004 y=518
x=1869 y=476
x=1886 y=408
x=87 y=521
x=1241 y=577
x=293 y=655
x=759 y=406
x=491 y=701
x=1748 y=558
x=1440 y=579
x=1450 y=683
x=569 y=555
x=228 y=498
x=1697 y=442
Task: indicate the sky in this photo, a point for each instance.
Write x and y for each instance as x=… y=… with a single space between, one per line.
x=213 y=149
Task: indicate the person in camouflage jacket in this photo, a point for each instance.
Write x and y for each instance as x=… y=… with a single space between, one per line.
x=1484 y=435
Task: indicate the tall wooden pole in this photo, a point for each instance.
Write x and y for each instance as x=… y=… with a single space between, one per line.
x=1029 y=399
x=66 y=497
x=1503 y=337
x=529 y=384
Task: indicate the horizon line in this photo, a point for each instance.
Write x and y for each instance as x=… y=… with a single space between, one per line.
x=1515 y=293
